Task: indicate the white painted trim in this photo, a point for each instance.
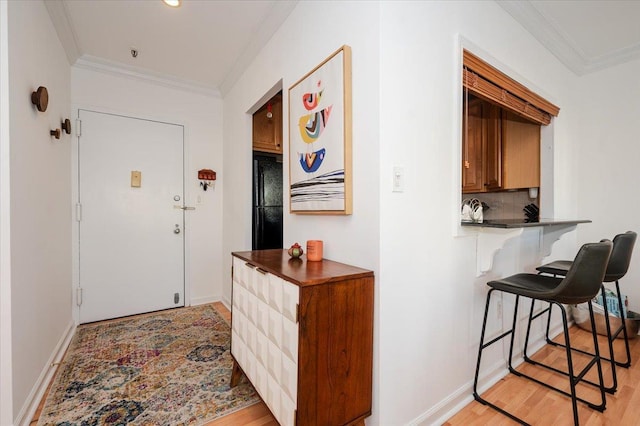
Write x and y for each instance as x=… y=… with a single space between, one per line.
x=46 y=375
x=560 y=44
x=93 y=63
x=204 y=300
x=269 y=26
x=62 y=23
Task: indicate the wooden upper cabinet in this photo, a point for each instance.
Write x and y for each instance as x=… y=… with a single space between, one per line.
x=520 y=152
x=473 y=136
x=267 y=132
x=481 y=147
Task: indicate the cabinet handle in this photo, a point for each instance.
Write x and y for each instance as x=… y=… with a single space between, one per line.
x=466 y=164
x=250 y=265
x=262 y=271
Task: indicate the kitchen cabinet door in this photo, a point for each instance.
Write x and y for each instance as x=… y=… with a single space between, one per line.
x=481 y=147
x=521 y=152
x=267 y=131
x=473 y=135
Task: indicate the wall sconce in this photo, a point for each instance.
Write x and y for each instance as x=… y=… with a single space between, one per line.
x=40 y=98
x=206 y=177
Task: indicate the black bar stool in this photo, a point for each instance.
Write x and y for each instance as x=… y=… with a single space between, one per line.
x=581 y=284
x=617 y=268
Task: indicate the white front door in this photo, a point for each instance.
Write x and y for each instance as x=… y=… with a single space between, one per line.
x=131 y=227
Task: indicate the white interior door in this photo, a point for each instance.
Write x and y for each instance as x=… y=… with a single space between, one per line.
x=131 y=237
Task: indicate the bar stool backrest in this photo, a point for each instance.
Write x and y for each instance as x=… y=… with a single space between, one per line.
x=585 y=277
x=620 y=256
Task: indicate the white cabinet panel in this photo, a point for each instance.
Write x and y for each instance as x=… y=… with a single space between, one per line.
x=275 y=327
x=251 y=279
x=251 y=337
x=274 y=364
x=262 y=383
x=290 y=298
x=250 y=368
x=252 y=308
x=239 y=272
x=287 y=411
x=244 y=303
x=262 y=285
x=262 y=349
x=273 y=397
x=235 y=341
x=290 y=340
x=289 y=378
x=275 y=292
x=263 y=318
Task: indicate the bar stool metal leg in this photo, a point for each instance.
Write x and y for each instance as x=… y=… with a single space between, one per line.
x=573 y=378
x=483 y=345
x=610 y=338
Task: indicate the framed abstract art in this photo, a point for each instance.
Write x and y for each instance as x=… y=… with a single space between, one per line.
x=320 y=138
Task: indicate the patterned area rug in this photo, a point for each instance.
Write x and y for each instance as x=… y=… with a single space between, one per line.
x=167 y=368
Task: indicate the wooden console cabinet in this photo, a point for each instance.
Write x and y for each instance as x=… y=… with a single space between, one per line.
x=302 y=332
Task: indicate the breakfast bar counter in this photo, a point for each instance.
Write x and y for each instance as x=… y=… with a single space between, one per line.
x=492 y=235
x=521 y=223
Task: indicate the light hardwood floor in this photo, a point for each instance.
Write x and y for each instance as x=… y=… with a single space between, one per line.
x=534 y=403
x=540 y=406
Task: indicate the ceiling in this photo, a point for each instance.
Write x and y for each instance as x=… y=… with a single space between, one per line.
x=202 y=44
x=205 y=45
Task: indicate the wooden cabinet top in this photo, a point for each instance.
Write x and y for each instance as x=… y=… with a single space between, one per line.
x=300 y=271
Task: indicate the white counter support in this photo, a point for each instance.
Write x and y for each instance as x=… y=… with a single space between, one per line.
x=488 y=242
x=551 y=234
x=490 y=239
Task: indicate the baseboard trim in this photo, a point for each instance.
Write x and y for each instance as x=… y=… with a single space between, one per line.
x=40 y=387
x=204 y=300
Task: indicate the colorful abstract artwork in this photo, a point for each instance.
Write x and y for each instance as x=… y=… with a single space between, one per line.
x=320 y=138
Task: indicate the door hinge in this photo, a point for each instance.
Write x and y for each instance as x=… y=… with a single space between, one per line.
x=78 y=127
x=78 y=212
x=297 y=312
x=79 y=296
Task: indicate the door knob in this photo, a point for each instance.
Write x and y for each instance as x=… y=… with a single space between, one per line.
x=177 y=230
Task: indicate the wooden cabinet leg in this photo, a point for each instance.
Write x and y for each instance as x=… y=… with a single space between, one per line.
x=236 y=374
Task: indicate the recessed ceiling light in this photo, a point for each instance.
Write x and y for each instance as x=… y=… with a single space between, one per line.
x=172 y=3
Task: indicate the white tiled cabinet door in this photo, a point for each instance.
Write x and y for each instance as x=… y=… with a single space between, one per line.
x=265 y=336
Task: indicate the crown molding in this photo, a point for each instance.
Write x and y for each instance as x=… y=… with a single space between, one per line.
x=276 y=17
x=547 y=34
x=559 y=44
x=62 y=23
x=136 y=73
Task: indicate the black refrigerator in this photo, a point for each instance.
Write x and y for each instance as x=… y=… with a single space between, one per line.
x=267 y=202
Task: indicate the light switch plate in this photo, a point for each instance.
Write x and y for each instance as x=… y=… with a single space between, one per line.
x=136 y=179
x=398 y=179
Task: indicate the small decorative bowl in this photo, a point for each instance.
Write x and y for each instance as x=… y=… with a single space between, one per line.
x=295 y=251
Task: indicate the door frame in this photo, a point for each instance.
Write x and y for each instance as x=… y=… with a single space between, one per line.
x=75 y=183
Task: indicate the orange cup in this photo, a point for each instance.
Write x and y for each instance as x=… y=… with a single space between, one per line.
x=314 y=250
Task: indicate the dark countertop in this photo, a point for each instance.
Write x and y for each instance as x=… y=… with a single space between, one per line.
x=520 y=223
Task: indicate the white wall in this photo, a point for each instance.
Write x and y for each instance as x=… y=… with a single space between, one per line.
x=312 y=32
x=431 y=300
x=201 y=115
x=607 y=153
x=40 y=179
x=6 y=384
